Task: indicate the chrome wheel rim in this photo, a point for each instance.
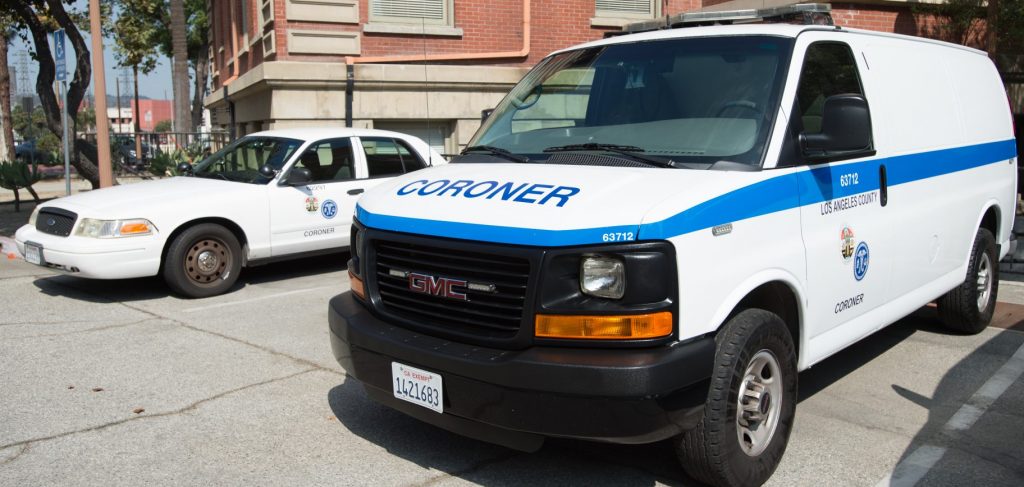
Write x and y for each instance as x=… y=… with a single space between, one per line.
x=759 y=403
x=207 y=262
x=984 y=282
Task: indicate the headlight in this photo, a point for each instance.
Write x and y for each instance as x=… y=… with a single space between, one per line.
x=360 y=241
x=33 y=216
x=604 y=277
x=93 y=228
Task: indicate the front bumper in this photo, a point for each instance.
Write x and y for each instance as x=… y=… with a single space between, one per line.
x=96 y=258
x=517 y=397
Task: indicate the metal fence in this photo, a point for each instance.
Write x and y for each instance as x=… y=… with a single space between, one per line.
x=193 y=144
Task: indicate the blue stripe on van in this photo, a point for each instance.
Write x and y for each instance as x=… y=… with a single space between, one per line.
x=488 y=233
x=772 y=195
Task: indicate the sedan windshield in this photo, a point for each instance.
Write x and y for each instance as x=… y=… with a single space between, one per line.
x=664 y=103
x=241 y=160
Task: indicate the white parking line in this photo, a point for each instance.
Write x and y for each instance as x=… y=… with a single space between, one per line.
x=989 y=392
x=916 y=465
x=261 y=298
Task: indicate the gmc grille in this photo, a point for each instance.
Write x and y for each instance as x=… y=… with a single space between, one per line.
x=56 y=221
x=485 y=314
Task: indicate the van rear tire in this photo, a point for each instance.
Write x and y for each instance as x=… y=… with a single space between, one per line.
x=969 y=307
x=750 y=406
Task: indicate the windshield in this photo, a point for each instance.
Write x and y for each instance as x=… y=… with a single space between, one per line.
x=241 y=160
x=695 y=101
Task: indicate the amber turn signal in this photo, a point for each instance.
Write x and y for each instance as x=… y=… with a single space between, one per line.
x=357 y=285
x=134 y=228
x=622 y=327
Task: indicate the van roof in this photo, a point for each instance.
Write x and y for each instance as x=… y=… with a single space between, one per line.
x=779 y=30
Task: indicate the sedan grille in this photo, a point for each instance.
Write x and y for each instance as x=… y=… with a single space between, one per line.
x=56 y=221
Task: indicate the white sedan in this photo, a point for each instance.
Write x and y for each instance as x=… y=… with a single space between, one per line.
x=267 y=196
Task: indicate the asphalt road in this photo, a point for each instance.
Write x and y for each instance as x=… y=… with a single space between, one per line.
x=117 y=383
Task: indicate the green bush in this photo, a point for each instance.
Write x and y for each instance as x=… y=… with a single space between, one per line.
x=19 y=175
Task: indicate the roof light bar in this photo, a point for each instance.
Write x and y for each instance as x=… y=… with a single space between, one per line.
x=801 y=13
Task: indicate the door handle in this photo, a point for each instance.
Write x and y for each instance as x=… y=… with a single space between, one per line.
x=883 y=185
x=356 y=191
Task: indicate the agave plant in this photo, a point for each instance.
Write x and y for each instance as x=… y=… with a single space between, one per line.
x=166 y=163
x=18 y=175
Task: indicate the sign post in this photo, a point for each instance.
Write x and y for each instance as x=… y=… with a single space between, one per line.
x=60 y=62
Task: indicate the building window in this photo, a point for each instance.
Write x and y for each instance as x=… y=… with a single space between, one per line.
x=627 y=9
x=428 y=12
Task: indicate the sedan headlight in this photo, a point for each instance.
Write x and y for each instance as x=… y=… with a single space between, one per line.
x=604 y=277
x=93 y=228
x=33 y=216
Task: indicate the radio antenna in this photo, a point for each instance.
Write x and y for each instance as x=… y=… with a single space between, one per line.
x=426 y=90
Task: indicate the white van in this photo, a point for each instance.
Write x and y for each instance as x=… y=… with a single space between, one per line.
x=653 y=233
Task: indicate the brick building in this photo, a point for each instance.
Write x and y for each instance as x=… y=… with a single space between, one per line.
x=399 y=63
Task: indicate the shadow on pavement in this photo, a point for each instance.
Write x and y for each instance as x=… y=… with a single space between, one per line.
x=834 y=368
x=988 y=451
x=146 y=288
x=559 y=462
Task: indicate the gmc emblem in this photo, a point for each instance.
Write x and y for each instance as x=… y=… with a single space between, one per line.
x=438 y=286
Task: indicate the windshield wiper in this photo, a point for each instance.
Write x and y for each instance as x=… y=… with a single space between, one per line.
x=211 y=175
x=626 y=150
x=497 y=151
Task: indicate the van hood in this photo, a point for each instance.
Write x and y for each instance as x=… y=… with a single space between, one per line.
x=553 y=205
x=139 y=200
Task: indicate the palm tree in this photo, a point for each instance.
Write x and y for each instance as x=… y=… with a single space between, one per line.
x=179 y=71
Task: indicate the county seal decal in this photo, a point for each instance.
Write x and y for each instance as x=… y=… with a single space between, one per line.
x=846 y=236
x=861 y=259
x=329 y=209
x=312 y=204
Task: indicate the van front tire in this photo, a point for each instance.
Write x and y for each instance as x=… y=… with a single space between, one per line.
x=202 y=261
x=968 y=308
x=750 y=406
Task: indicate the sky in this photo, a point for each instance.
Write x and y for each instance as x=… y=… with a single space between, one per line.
x=153 y=85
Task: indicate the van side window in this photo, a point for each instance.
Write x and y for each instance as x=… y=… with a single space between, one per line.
x=389 y=157
x=829 y=69
x=329 y=160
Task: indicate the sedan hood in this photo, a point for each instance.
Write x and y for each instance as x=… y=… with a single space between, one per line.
x=549 y=205
x=139 y=199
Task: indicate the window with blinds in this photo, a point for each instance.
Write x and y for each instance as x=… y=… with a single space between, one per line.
x=432 y=12
x=627 y=8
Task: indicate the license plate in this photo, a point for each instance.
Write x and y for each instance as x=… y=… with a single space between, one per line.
x=417 y=386
x=34 y=254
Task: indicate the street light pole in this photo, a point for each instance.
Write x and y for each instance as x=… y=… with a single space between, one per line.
x=100 y=81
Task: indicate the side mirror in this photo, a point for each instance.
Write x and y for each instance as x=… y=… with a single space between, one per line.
x=299 y=176
x=267 y=171
x=486 y=113
x=845 y=130
x=184 y=168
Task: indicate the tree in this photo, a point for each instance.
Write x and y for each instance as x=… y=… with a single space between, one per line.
x=86 y=119
x=6 y=131
x=198 y=27
x=179 y=70
x=163 y=126
x=33 y=127
x=40 y=17
x=133 y=46
x=996 y=26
